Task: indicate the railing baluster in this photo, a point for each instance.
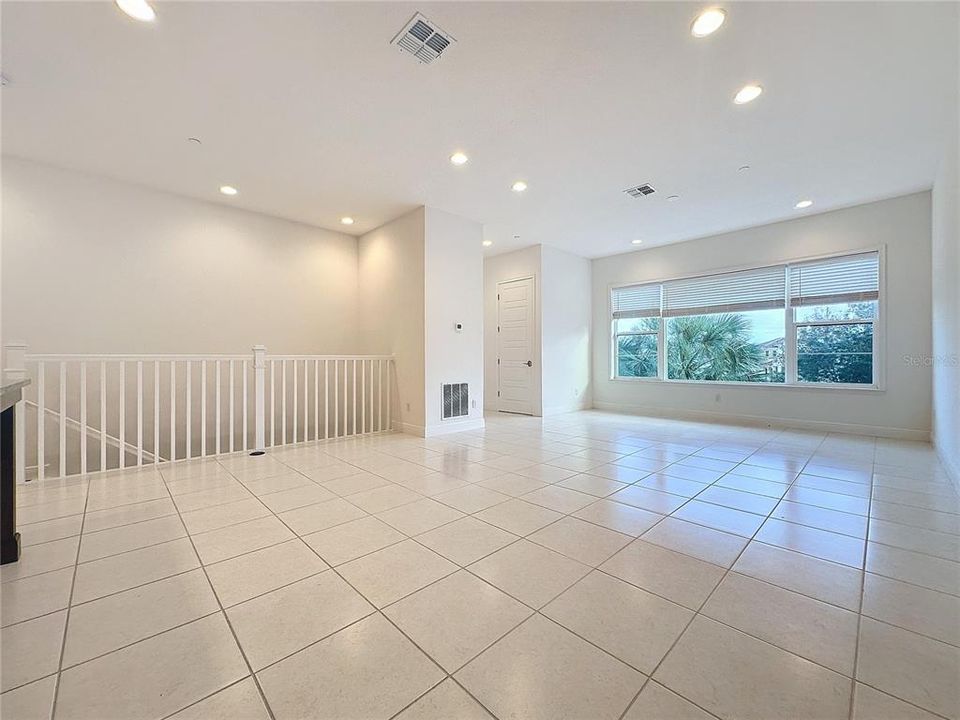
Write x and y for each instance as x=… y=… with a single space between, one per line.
x=122 y=434
x=379 y=395
x=103 y=415
x=41 y=422
x=316 y=399
x=346 y=398
x=389 y=416
x=189 y=410
x=156 y=412
x=63 y=419
x=203 y=408
x=173 y=410
x=83 y=417
x=363 y=396
x=273 y=406
x=233 y=391
x=326 y=399
x=283 y=402
x=243 y=372
x=306 y=400
x=216 y=399
x=139 y=413
x=353 y=405
x=294 y=401
x=336 y=398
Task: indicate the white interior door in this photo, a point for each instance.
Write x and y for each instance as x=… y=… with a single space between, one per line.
x=516 y=328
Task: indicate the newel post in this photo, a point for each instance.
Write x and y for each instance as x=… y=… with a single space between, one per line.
x=16 y=369
x=259 y=368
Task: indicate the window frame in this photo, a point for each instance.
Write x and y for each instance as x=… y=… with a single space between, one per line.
x=791 y=327
x=615 y=354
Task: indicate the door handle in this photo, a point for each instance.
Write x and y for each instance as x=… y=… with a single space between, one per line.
x=529 y=363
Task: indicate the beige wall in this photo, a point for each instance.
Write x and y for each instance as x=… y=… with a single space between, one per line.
x=946 y=309
x=453 y=293
x=565 y=321
x=391 y=264
x=93 y=265
x=903 y=409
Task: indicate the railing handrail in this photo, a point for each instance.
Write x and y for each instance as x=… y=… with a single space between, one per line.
x=166 y=357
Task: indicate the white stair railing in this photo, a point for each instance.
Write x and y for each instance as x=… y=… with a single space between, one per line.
x=86 y=413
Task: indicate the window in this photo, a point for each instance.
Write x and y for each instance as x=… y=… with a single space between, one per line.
x=636 y=331
x=796 y=324
x=835 y=304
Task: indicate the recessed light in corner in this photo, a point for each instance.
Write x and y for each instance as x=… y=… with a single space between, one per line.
x=228 y=190
x=636 y=242
x=748 y=93
x=459 y=158
x=519 y=186
x=137 y=9
x=803 y=204
x=487 y=243
x=672 y=198
x=707 y=22
x=346 y=220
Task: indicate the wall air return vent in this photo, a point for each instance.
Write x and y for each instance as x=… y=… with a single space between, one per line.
x=423 y=39
x=454 y=400
x=640 y=190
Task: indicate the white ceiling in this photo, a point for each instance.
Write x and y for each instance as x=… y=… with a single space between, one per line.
x=307 y=109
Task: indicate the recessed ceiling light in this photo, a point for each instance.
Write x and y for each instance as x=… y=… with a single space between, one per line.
x=487 y=243
x=747 y=93
x=137 y=9
x=672 y=198
x=228 y=190
x=519 y=186
x=459 y=158
x=637 y=242
x=346 y=220
x=803 y=204
x=707 y=22
x=743 y=168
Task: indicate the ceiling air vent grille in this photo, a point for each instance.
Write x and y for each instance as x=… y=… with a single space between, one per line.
x=640 y=190
x=423 y=39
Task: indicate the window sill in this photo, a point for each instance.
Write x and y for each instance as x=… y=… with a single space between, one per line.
x=778 y=386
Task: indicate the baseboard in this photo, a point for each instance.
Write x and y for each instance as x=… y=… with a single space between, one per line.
x=951 y=466
x=454 y=426
x=568 y=408
x=451 y=426
x=763 y=421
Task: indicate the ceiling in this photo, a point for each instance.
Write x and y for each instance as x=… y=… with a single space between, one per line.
x=309 y=111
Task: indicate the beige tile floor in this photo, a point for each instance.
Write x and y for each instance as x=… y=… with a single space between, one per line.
x=586 y=566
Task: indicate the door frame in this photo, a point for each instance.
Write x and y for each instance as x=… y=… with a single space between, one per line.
x=536 y=335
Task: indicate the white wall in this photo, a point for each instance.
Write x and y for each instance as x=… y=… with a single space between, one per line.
x=94 y=265
x=903 y=409
x=391 y=266
x=946 y=309
x=453 y=293
x=565 y=320
x=500 y=268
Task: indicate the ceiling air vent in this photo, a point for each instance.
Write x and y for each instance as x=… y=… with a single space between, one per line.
x=640 y=190
x=423 y=39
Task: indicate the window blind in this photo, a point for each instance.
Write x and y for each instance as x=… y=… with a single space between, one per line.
x=853 y=278
x=636 y=301
x=759 y=289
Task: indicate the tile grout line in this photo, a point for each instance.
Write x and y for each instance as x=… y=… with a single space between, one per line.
x=223 y=612
x=863 y=584
x=66 y=623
